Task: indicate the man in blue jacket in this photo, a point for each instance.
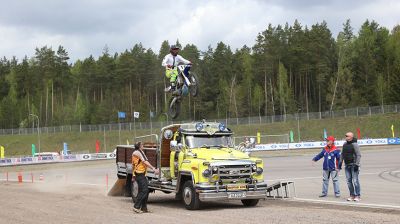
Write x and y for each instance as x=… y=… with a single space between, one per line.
x=330 y=166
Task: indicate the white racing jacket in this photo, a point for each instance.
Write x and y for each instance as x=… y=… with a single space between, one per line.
x=173 y=61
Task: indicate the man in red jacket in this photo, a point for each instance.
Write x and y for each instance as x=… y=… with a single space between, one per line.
x=330 y=166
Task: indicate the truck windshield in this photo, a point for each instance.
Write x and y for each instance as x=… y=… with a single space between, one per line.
x=208 y=141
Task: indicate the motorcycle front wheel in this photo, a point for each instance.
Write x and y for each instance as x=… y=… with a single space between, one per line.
x=174 y=107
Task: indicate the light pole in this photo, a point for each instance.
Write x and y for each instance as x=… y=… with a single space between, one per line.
x=38 y=128
x=151 y=123
x=298 y=123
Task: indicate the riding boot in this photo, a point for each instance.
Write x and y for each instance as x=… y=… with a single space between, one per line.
x=173 y=89
x=168 y=89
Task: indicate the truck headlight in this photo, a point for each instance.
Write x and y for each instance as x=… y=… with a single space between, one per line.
x=221 y=127
x=259 y=170
x=254 y=168
x=199 y=126
x=207 y=173
x=215 y=169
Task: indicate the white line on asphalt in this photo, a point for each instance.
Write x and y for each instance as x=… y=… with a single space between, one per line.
x=319 y=177
x=354 y=204
x=89 y=184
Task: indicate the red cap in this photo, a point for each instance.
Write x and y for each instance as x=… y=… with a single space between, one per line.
x=330 y=138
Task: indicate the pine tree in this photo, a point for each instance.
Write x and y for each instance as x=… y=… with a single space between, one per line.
x=393 y=66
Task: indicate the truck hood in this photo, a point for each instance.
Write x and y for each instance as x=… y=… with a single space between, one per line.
x=219 y=154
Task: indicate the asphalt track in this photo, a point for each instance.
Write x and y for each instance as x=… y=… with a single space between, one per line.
x=379 y=176
x=76 y=193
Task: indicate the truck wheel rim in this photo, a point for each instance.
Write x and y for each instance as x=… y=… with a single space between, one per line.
x=187 y=196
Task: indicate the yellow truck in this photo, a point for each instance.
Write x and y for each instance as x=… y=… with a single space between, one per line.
x=198 y=163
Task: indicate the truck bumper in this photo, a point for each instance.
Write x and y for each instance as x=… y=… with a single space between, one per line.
x=212 y=193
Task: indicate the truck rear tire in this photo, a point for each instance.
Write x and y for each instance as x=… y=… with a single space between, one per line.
x=250 y=202
x=190 y=197
x=134 y=190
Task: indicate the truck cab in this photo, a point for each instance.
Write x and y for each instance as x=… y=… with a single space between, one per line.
x=198 y=162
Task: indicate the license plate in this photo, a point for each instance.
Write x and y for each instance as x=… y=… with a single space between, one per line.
x=236 y=187
x=237 y=195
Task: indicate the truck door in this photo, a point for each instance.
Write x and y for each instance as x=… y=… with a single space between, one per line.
x=174 y=158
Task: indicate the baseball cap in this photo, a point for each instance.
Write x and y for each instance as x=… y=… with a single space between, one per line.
x=330 y=138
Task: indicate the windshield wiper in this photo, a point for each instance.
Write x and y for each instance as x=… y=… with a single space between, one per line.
x=216 y=146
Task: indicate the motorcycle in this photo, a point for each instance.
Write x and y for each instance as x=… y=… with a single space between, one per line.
x=186 y=82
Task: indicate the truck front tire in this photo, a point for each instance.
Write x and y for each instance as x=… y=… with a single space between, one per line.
x=190 y=197
x=250 y=202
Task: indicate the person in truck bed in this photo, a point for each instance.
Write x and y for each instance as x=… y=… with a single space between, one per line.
x=139 y=169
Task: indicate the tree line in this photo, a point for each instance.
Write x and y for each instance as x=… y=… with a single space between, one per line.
x=290 y=69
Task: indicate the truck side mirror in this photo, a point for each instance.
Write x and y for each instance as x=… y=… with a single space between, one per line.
x=173 y=145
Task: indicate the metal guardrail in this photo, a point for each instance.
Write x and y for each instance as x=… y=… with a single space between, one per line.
x=350 y=112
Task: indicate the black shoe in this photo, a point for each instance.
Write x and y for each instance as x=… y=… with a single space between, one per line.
x=168 y=89
x=146 y=210
x=322 y=195
x=137 y=210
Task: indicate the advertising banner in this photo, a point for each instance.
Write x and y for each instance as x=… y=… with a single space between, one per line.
x=99 y=156
x=311 y=145
x=85 y=156
x=393 y=141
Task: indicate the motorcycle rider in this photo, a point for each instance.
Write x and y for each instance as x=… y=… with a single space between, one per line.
x=170 y=63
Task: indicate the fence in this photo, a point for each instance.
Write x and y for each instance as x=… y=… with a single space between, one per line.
x=351 y=112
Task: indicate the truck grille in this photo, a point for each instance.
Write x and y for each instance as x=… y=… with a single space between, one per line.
x=233 y=172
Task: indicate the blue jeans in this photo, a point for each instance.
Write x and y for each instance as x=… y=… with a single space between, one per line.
x=352 y=180
x=326 y=175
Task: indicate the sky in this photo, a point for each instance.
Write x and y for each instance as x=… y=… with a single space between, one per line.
x=85 y=27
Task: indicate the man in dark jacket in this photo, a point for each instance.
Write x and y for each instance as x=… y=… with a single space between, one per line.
x=351 y=156
x=330 y=166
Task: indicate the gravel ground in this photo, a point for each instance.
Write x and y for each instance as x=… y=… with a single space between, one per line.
x=36 y=203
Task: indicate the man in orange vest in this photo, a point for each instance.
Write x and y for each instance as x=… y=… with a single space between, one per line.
x=140 y=164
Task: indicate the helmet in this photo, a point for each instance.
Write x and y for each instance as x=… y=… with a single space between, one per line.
x=173 y=49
